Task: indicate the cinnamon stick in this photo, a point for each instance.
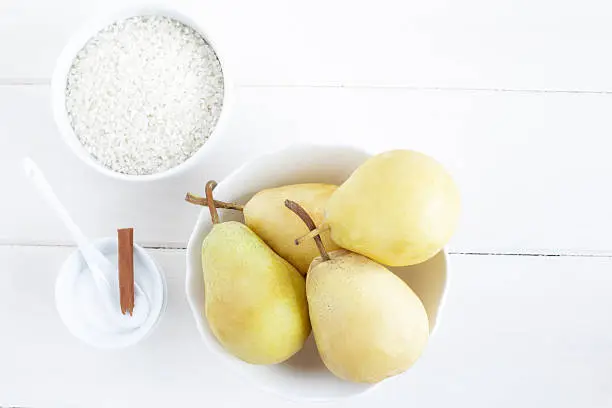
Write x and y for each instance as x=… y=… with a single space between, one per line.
x=125 y=237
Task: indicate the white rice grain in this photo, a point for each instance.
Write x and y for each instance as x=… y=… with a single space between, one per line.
x=144 y=94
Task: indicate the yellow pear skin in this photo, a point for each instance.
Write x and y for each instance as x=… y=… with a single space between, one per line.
x=367 y=323
x=398 y=208
x=268 y=217
x=255 y=300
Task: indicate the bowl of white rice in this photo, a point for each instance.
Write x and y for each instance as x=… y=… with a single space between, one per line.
x=141 y=94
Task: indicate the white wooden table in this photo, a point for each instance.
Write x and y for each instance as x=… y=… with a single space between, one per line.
x=512 y=95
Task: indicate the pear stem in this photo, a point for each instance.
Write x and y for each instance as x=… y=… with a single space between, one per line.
x=312 y=234
x=214 y=215
x=301 y=212
x=197 y=200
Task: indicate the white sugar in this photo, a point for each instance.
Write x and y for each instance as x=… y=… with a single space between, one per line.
x=144 y=94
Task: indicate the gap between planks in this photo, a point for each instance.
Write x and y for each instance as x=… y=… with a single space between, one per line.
x=181 y=248
x=8 y=82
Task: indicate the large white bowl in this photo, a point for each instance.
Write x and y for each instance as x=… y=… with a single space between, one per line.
x=78 y=41
x=303 y=377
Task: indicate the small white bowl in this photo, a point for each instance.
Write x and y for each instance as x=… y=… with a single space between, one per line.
x=85 y=329
x=303 y=377
x=78 y=41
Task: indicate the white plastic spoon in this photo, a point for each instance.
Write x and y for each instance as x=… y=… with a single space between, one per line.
x=103 y=271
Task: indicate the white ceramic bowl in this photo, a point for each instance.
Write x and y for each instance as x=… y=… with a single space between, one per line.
x=87 y=332
x=76 y=43
x=303 y=377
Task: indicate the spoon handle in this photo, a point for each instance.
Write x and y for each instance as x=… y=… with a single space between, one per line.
x=96 y=261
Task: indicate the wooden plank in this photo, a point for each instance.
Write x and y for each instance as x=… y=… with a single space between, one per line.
x=43 y=365
x=518 y=44
x=515 y=331
x=532 y=167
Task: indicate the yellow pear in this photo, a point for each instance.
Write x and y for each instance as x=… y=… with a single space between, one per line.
x=398 y=208
x=367 y=323
x=266 y=214
x=255 y=300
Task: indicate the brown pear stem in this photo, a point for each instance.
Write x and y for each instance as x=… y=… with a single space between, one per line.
x=214 y=215
x=312 y=234
x=301 y=212
x=197 y=200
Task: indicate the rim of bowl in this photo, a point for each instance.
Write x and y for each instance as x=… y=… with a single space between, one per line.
x=196 y=313
x=78 y=40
